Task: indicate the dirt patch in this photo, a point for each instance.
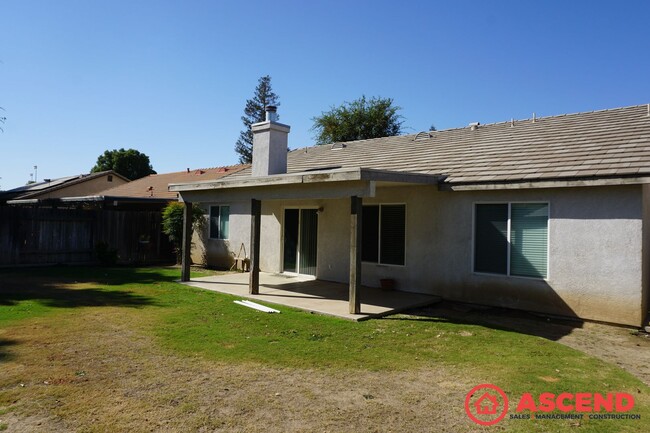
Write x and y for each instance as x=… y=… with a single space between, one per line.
x=623 y=347
x=116 y=379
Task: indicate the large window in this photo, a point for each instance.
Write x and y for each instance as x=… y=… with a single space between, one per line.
x=511 y=239
x=383 y=234
x=219 y=222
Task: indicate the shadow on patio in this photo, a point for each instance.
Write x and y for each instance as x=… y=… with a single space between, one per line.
x=316 y=296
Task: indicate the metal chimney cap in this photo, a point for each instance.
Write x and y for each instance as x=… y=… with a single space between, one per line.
x=271 y=114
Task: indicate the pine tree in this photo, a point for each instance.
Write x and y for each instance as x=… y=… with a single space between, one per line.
x=253 y=113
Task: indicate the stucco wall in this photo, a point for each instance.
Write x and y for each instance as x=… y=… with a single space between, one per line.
x=595 y=248
x=220 y=253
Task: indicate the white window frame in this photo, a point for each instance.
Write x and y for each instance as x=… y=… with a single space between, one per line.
x=219 y=206
x=378 y=262
x=509 y=222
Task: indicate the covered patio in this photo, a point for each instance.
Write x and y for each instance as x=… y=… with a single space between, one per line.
x=349 y=183
x=309 y=294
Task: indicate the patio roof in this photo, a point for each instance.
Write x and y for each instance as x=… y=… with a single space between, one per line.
x=309 y=294
x=326 y=183
x=335 y=174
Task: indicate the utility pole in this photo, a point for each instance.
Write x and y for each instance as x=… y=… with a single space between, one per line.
x=35 y=174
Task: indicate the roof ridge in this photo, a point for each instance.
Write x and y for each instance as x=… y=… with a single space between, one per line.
x=192 y=170
x=462 y=128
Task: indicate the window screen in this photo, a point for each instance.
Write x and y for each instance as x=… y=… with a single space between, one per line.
x=491 y=238
x=219 y=222
x=383 y=234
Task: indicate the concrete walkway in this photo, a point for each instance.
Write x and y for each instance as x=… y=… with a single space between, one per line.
x=317 y=296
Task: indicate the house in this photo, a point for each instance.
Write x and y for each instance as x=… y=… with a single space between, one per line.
x=70 y=186
x=548 y=214
x=125 y=219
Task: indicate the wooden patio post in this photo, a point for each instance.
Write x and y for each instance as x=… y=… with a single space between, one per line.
x=187 y=242
x=356 y=209
x=256 y=219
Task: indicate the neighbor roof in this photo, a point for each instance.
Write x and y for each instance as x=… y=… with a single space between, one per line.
x=598 y=144
x=36 y=189
x=155 y=185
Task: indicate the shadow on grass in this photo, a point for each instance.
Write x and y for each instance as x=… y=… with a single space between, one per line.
x=502 y=319
x=4 y=354
x=51 y=286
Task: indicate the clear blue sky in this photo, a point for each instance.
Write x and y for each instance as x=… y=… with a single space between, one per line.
x=170 y=78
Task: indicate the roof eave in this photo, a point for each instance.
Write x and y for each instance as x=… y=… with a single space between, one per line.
x=306 y=177
x=545 y=183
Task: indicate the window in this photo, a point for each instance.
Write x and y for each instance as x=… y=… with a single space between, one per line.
x=511 y=239
x=110 y=178
x=383 y=234
x=219 y=222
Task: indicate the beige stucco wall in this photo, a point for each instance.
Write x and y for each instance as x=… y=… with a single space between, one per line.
x=220 y=253
x=595 y=248
x=85 y=188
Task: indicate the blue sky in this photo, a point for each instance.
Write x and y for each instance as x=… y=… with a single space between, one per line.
x=170 y=78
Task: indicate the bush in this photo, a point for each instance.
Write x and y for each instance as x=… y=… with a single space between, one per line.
x=172 y=223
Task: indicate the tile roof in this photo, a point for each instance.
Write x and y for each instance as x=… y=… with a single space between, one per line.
x=607 y=143
x=155 y=185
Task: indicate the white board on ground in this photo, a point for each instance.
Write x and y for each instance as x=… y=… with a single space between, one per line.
x=256 y=306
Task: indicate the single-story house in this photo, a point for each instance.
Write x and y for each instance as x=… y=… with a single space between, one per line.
x=548 y=214
x=69 y=186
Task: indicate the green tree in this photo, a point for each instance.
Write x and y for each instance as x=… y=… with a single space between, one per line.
x=253 y=113
x=129 y=163
x=172 y=224
x=358 y=120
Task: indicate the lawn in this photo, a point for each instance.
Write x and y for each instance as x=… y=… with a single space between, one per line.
x=104 y=349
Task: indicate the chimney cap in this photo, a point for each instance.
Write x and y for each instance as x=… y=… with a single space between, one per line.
x=271 y=113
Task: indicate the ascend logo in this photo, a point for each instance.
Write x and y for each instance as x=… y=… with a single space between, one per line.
x=487 y=404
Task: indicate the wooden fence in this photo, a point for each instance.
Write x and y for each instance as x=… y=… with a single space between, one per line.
x=34 y=235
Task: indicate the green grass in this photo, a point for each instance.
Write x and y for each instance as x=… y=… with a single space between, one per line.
x=200 y=323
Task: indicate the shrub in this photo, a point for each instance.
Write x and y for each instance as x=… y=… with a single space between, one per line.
x=172 y=223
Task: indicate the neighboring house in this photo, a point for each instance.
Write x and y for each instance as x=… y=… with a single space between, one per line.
x=153 y=191
x=546 y=214
x=125 y=219
x=71 y=186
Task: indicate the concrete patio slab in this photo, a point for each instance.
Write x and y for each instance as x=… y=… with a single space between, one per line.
x=307 y=293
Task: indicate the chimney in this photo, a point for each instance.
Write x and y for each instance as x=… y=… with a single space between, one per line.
x=270 y=139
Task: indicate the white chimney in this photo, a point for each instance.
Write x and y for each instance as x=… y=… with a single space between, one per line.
x=270 y=139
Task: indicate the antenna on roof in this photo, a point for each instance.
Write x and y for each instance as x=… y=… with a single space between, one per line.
x=534 y=117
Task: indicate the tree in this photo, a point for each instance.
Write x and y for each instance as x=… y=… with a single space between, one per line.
x=358 y=120
x=129 y=163
x=172 y=224
x=253 y=113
